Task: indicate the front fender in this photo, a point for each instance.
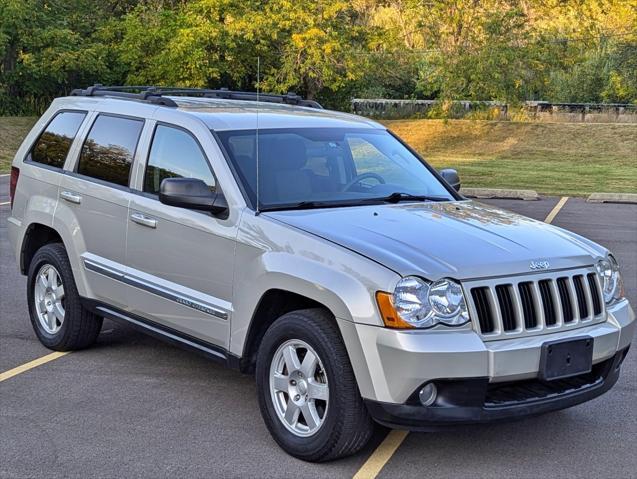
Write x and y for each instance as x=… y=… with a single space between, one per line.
x=273 y=256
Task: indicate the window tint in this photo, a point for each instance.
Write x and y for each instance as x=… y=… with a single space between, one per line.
x=54 y=143
x=175 y=154
x=108 y=151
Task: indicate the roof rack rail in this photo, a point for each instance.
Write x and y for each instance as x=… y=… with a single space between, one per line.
x=158 y=95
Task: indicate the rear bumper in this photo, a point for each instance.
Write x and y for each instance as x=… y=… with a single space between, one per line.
x=475 y=400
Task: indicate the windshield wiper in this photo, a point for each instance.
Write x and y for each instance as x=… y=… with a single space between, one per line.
x=393 y=198
x=305 y=205
x=397 y=197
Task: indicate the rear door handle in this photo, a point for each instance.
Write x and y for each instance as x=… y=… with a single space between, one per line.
x=143 y=220
x=71 y=197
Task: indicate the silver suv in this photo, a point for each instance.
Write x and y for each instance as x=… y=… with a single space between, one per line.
x=315 y=250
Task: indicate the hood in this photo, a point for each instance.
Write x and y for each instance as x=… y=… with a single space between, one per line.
x=461 y=239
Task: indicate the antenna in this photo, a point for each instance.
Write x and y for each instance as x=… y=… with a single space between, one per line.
x=257 y=133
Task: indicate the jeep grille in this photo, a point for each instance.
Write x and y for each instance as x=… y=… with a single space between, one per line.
x=535 y=303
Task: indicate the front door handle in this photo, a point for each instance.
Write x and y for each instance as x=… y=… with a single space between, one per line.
x=71 y=197
x=143 y=220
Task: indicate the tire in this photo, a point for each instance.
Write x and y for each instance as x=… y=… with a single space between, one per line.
x=345 y=425
x=58 y=318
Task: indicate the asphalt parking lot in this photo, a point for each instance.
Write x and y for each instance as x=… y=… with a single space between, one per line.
x=132 y=406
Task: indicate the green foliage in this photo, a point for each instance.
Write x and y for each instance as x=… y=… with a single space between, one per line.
x=330 y=50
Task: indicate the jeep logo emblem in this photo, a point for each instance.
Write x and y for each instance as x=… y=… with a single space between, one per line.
x=535 y=265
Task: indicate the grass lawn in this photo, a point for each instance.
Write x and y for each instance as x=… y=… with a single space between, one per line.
x=13 y=129
x=552 y=158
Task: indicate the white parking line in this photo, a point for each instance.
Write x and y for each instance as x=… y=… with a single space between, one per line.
x=5 y=203
x=30 y=365
x=5 y=174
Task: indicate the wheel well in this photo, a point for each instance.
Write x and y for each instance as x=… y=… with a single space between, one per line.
x=37 y=235
x=273 y=304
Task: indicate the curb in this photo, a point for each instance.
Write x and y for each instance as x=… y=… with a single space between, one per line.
x=612 y=198
x=527 y=195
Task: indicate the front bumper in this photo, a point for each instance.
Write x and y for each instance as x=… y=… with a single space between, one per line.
x=392 y=365
x=475 y=400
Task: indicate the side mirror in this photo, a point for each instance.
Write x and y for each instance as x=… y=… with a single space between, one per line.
x=451 y=176
x=193 y=194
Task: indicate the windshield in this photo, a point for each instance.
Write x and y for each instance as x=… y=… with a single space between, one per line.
x=316 y=167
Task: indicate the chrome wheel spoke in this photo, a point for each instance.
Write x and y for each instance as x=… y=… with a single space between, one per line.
x=292 y=414
x=58 y=311
x=310 y=415
x=59 y=292
x=291 y=359
x=280 y=382
x=50 y=317
x=41 y=285
x=308 y=367
x=52 y=280
x=318 y=390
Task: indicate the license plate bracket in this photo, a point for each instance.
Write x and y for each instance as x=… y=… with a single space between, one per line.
x=565 y=358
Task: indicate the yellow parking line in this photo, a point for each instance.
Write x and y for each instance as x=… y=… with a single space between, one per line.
x=381 y=455
x=560 y=204
x=30 y=365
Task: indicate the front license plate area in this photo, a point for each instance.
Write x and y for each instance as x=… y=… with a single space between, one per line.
x=565 y=358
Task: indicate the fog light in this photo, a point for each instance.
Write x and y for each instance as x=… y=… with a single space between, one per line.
x=427 y=394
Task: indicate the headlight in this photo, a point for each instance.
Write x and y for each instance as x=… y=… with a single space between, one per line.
x=416 y=303
x=612 y=286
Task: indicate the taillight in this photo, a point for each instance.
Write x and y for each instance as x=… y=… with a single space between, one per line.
x=13 y=183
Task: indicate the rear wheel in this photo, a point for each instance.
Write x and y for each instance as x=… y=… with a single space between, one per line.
x=307 y=390
x=57 y=315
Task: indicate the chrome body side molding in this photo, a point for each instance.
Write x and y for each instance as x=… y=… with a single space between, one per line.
x=171 y=291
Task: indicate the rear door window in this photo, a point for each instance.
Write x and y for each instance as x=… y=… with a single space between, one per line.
x=53 y=145
x=109 y=149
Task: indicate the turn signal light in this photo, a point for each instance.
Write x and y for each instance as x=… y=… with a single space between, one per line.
x=388 y=312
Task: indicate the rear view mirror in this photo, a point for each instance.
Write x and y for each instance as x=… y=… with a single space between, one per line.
x=191 y=193
x=451 y=176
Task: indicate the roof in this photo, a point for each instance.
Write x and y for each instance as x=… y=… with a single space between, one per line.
x=219 y=114
x=218 y=109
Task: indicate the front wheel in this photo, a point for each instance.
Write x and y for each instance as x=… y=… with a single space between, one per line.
x=307 y=391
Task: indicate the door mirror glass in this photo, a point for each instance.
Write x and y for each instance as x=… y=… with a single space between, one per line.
x=193 y=194
x=451 y=176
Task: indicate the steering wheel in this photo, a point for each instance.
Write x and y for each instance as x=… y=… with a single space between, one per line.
x=362 y=177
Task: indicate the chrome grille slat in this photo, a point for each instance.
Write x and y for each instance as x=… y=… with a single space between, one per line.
x=571 y=290
x=539 y=307
x=582 y=303
x=566 y=304
x=557 y=304
x=526 y=295
x=594 y=286
x=532 y=304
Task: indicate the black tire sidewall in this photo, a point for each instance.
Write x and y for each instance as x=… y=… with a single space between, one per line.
x=48 y=255
x=292 y=326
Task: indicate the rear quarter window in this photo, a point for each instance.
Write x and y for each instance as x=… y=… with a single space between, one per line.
x=53 y=145
x=109 y=148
